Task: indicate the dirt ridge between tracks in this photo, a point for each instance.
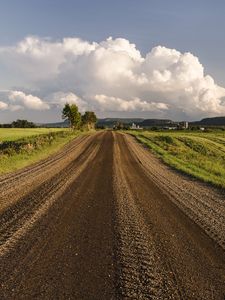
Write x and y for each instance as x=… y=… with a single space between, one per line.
x=140 y=269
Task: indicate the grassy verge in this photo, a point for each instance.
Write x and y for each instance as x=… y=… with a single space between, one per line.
x=20 y=153
x=199 y=154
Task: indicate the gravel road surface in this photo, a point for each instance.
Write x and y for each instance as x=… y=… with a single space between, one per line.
x=105 y=219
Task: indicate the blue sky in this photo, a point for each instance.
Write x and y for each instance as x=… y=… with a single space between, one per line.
x=187 y=26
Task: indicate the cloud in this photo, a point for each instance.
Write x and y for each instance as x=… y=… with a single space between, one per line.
x=111 y=75
x=117 y=104
x=3 y=105
x=16 y=100
x=28 y=101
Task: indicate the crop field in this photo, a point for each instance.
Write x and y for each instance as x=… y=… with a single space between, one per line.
x=13 y=134
x=200 y=154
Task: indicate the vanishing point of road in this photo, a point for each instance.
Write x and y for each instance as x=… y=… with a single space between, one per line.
x=105 y=219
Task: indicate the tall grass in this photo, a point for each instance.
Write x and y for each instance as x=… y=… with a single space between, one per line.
x=199 y=154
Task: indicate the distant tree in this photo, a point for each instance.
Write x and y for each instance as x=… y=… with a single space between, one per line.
x=119 y=126
x=70 y=112
x=6 y=126
x=100 y=127
x=22 y=124
x=89 y=119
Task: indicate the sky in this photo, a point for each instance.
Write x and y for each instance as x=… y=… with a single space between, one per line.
x=161 y=59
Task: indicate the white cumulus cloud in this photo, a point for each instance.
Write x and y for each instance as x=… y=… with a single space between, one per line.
x=108 y=76
x=3 y=105
x=28 y=101
x=117 y=104
x=16 y=100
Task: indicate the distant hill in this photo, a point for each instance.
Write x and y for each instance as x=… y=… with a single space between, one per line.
x=216 y=121
x=107 y=122
x=64 y=124
x=110 y=122
x=156 y=122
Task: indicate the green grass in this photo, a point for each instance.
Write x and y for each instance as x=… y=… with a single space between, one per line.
x=13 y=134
x=199 y=154
x=11 y=161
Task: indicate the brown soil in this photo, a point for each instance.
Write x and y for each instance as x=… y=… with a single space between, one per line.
x=105 y=219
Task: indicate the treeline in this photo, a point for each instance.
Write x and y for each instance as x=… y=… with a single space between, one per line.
x=19 y=124
x=76 y=120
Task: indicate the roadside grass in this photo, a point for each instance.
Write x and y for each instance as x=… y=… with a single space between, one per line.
x=46 y=141
x=199 y=154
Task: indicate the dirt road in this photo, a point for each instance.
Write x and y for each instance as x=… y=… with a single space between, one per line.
x=105 y=219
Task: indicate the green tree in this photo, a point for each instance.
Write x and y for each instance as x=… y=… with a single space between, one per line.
x=89 y=119
x=70 y=112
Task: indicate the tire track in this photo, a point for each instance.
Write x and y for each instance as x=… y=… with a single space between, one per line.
x=61 y=255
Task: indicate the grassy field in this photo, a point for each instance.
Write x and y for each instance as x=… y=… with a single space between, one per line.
x=199 y=154
x=13 y=134
x=41 y=143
